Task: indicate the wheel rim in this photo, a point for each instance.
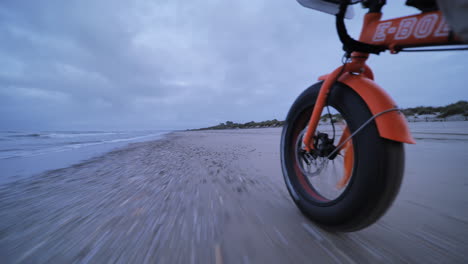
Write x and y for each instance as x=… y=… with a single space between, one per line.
x=323 y=179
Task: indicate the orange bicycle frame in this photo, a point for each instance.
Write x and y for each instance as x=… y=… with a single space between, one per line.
x=425 y=29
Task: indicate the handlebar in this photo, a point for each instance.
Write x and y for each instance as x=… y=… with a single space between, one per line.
x=349 y=44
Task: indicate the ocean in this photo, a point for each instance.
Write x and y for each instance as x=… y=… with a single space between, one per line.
x=23 y=154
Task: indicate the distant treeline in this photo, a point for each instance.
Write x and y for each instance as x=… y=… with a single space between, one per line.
x=251 y=124
x=458 y=108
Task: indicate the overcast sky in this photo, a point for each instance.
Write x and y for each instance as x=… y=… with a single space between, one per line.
x=173 y=64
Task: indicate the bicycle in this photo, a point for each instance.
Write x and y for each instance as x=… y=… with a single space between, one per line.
x=346 y=173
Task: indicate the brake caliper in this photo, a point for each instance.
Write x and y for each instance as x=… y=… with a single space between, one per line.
x=324 y=146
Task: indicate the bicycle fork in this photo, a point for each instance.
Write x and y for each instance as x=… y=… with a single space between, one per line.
x=356 y=65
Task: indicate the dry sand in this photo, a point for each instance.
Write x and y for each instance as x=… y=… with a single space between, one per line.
x=219 y=197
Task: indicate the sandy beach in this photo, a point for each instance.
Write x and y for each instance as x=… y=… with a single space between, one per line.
x=219 y=197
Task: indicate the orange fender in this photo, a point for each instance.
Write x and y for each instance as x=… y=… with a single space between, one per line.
x=391 y=125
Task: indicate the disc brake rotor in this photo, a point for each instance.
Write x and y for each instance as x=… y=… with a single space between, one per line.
x=328 y=171
x=310 y=164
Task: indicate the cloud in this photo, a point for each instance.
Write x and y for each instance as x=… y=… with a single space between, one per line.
x=174 y=64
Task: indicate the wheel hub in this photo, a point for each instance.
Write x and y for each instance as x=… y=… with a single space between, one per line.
x=311 y=163
x=324 y=146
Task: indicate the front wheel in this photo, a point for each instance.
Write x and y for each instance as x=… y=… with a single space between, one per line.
x=353 y=189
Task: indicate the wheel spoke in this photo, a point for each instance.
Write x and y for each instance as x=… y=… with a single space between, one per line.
x=328 y=177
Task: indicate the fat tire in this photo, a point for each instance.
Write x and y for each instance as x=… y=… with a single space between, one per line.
x=378 y=164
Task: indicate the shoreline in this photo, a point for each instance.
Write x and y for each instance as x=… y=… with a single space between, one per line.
x=450 y=130
x=23 y=167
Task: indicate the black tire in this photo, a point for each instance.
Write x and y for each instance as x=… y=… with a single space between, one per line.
x=377 y=168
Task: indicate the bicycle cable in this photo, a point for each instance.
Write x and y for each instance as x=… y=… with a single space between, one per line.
x=362 y=127
x=322 y=164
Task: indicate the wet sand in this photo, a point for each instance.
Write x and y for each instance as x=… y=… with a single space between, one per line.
x=219 y=197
